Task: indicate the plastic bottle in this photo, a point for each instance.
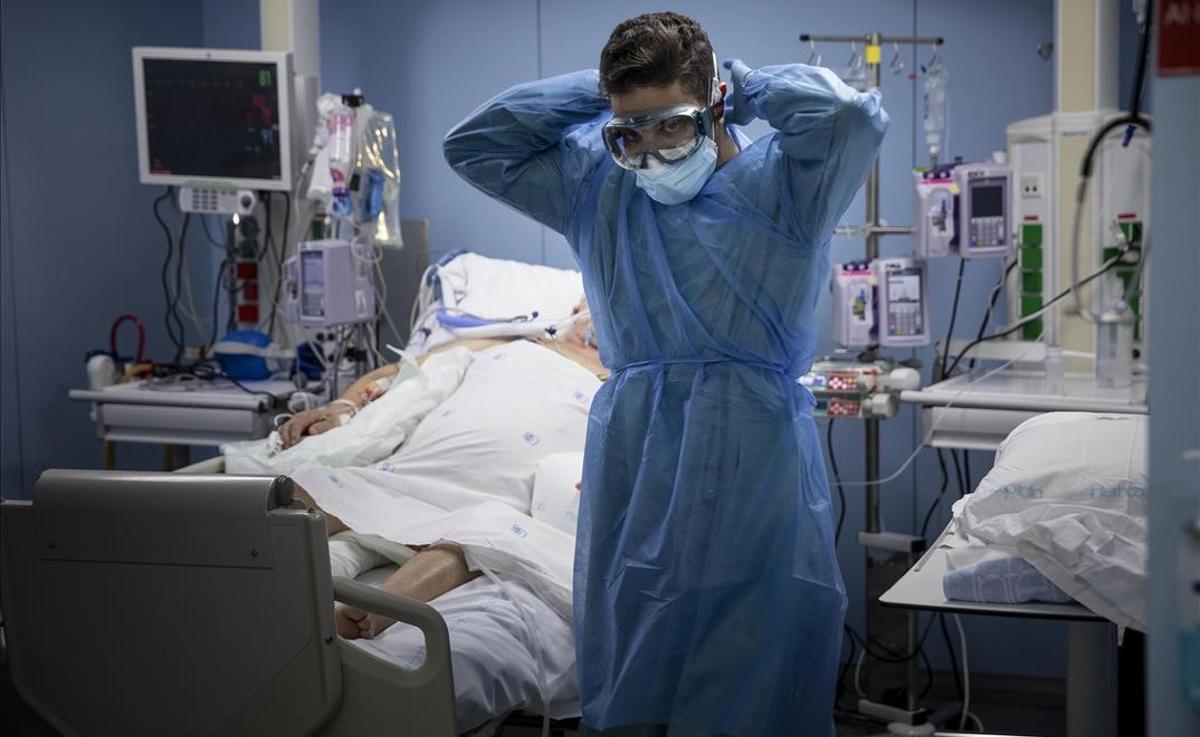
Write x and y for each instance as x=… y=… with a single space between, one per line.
x=1054 y=370
x=935 y=107
x=341 y=159
x=1114 y=349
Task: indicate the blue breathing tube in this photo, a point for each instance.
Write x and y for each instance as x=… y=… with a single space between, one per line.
x=454 y=320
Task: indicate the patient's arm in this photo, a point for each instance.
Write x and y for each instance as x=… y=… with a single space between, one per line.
x=429 y=574
x=361 y=393
x=321 y=419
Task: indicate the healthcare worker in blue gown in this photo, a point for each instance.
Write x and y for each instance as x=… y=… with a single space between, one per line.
x=708 y=599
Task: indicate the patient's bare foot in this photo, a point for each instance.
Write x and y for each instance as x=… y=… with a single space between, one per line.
x=432 y=572
x=353 y=623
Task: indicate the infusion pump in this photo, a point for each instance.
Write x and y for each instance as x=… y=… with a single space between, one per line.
x=329 y=283
x=963 y=210
x=883 y=302
x=858 y=389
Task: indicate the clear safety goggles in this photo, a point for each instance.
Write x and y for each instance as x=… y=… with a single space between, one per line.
x=665 y=136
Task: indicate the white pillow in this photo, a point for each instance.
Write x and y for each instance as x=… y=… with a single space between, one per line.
x=500 y=288
x=1068 y=494
x=497 y=289
x=555 y=498
x=1094 y=460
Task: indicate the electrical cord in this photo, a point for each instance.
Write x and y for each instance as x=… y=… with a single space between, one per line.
x=957 y=472
x=174 y=300
x=941 y=374
x=940 y=495
x=268 y=236
x=1135 y=104
x=992 y=297
x=216 y=304
x=958 y=685
x=1081 y=197
x=167 y=372
x=962 y=263
x=837 y=479
x=841 y=686
x=187 y=221
x=189 y=304
x=279 y=259
x=888 y=655
x=892 y=656
x=166 y=267
x=1030 y=318
x=1131 y=121
x=208 y=234
x=966 y=675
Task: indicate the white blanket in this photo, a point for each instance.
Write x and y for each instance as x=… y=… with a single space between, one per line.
x=374 y=433
x=466 y=474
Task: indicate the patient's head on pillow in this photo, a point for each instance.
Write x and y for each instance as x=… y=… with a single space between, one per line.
x=581 y=334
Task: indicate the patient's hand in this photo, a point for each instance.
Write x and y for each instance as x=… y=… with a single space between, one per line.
x=311 y=422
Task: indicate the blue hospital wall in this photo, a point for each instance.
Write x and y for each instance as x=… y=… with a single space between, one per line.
x=435 y=62
x=429 y=64
x=78 y=243
x=80 y=246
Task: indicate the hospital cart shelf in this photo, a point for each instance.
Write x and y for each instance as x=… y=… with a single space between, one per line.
x=1092 y=656
x=978 y=413
x=203 y=415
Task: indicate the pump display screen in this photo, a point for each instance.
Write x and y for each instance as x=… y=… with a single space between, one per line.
x=987 y=201
x=312 y=277
x=212 y=119
x=904 y=314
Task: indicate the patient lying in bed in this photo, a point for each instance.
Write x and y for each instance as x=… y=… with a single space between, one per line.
x=518 y=402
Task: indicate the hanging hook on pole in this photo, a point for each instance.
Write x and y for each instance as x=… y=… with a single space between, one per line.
x=814 y=57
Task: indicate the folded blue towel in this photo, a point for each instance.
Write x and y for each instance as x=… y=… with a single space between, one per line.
x=1001 y=581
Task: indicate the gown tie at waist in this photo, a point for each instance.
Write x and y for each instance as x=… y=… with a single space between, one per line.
x=809 y=399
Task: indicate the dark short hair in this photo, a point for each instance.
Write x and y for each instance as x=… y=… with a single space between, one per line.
x=656 y=50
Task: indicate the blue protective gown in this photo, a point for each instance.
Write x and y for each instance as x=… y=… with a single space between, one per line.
x=708 y=599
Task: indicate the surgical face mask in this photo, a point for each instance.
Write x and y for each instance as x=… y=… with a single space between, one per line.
x=676 y=183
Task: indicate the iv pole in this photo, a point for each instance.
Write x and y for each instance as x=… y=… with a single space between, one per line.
x=895 y=552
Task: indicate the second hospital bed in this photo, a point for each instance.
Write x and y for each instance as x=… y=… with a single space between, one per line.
x=487 y=646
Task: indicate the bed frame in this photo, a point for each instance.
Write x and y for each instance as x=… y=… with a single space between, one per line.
x=113 y=625
x=105 y=555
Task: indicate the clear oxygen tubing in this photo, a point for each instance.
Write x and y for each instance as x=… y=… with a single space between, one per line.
x=933 y=428
x=1080 y=198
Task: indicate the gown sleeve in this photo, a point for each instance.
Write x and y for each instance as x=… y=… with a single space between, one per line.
x=518 y=148
x=828 y=134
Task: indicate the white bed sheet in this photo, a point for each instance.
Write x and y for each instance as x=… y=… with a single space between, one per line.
x=504 y=643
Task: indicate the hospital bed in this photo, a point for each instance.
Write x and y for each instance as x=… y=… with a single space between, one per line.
x=456 y=285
